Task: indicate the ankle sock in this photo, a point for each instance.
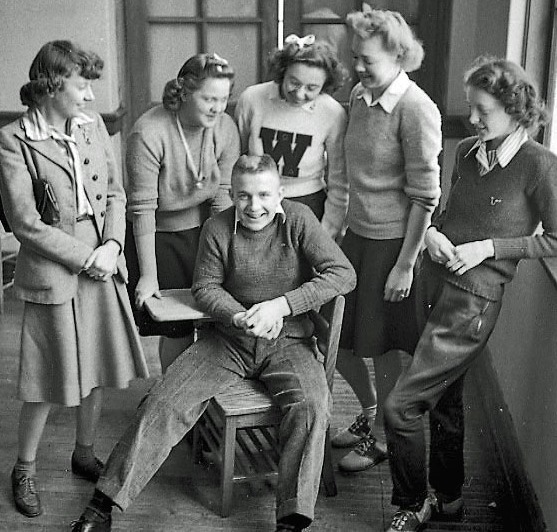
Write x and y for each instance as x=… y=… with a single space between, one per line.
x=23 y=468
x=370 y=412
x=83 y=454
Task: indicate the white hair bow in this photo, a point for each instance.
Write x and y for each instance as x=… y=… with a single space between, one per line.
x=300 y=42
x=222 y=60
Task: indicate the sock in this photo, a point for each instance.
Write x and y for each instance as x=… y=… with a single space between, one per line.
x=370 y=412
x=83 y=454
x=23 y=468
x=101 y=504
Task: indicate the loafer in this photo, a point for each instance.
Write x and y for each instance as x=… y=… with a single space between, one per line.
x=25 y=494
x=413 y=520
x=92 y=521
x=368 y=453
x=91 y=471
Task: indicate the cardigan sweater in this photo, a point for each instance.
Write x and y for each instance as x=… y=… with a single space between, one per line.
x=391 y=160
x=305 y=141
x=505 y=205
x=291 y=257
x=162 y=191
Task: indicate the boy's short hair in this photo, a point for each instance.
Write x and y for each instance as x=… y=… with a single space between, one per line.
x=254 y=164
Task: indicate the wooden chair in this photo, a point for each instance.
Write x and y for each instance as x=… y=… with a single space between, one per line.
x=239 y=427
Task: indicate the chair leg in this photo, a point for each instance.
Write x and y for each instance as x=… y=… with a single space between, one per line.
x=328 y=473
x=227 y=473
x=196 y=444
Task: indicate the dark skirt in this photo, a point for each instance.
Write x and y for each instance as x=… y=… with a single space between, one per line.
x=175 y=254
x=315 y=201
x=371 y=325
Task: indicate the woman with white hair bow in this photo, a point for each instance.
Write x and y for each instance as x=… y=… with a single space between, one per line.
x=294 y=119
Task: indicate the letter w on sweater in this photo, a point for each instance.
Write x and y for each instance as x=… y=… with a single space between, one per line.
x=287 y=146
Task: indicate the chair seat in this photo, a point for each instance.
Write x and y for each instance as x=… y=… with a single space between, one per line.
x=247 y=396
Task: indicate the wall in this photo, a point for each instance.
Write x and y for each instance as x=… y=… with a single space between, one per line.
x=524 y=356
x=478 y=27
x=25 y=25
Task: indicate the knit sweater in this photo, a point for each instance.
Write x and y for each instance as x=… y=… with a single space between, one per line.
x=162 y=191
x=306 y=142
x=291 y=257
x=506 y=205
x=391 y=161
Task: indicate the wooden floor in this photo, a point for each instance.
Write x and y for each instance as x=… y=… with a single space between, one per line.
x=182 y=497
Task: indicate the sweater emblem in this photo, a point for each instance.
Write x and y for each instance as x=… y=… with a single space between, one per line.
x=494 y=201
x=287 y=146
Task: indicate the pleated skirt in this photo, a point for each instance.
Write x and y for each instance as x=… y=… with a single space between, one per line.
x=91 y=341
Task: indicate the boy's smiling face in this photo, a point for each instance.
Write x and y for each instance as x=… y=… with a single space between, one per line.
x=256 y=197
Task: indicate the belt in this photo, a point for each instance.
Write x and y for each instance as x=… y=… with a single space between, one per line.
x=83 y=217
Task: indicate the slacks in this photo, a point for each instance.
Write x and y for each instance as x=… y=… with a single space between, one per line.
x=291 y=372
x=456 y=327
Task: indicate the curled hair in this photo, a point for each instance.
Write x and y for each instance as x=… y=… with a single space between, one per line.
x=191 y=77
x=56 y=61
x=254 y=164
x=319 y=54
x=508 y=83
x=396 y=35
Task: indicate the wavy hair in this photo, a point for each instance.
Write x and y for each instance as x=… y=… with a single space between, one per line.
x=319 y=54
x=508 y=83
x=191 y=77
x=56 y=61
x=396 y=35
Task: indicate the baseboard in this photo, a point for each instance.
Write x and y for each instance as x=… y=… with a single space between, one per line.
x=528 y=512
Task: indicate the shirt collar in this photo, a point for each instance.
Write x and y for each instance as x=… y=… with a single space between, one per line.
x=37 y=128
x=279 y=211
x=276 y=95
x=391 y=96
x=505 y=151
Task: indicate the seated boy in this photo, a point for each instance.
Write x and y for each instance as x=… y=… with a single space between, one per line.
x=262 y=265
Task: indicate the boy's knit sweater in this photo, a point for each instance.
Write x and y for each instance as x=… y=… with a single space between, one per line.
x=162 y=191
x=306 y=142
x=506 y=205
x=391 y=161
x=291 y=257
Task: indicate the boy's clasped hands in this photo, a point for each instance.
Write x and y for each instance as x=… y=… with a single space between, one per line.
x=263 y=320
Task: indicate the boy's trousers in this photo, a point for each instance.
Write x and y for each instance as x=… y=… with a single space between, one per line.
x=291 y=372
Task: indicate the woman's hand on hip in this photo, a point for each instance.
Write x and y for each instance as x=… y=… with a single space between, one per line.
x=398 y=284
x=147 y=287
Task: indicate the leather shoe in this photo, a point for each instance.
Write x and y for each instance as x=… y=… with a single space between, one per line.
x=90 y=471
x=92 y=521
x=25 y=495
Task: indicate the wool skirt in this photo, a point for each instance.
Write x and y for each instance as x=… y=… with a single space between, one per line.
x=371 y=325
x=91 y=341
